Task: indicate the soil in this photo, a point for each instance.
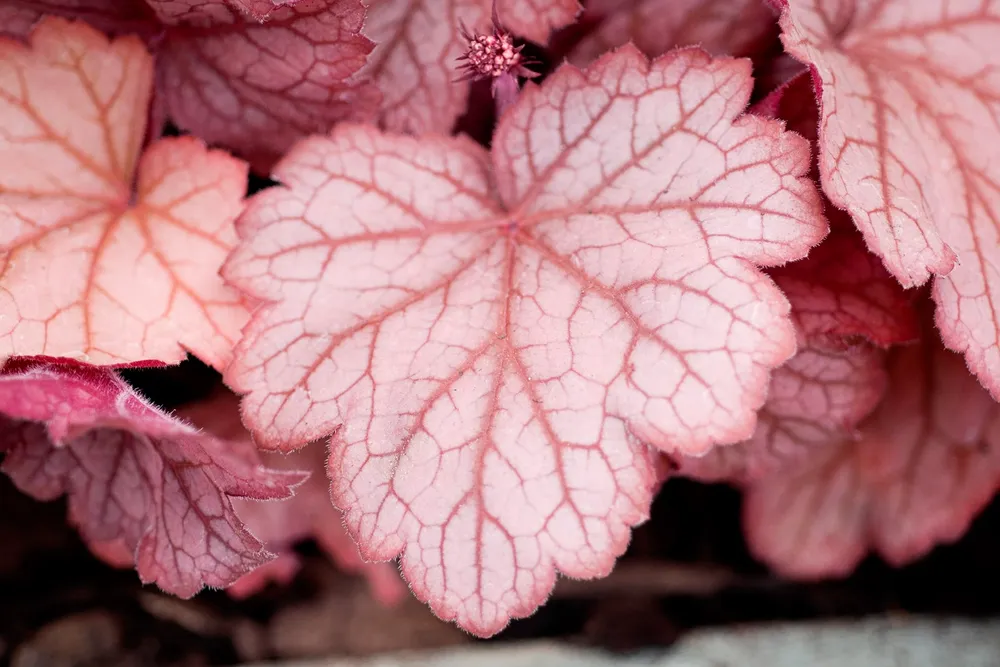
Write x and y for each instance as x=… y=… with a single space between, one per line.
x=687 y=568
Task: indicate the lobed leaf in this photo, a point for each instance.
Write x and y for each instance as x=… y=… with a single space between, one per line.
x=492 y=339
x=909 y=134
x=141 y=484
x=106 y=256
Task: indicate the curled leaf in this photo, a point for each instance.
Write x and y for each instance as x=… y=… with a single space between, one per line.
x=141 y=484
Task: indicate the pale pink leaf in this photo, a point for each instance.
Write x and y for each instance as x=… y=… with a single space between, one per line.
x=307 y=514
x=497 y=337
x=722 y=27
x=93 y=267
x=136 y=478
x=258 y=87
x=908 y=143
x=924 y=464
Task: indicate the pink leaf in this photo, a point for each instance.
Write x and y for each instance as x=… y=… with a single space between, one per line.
x=910 y=131
x=135 y=476
x=418 y=43
x=257 y=88
x=309 y=513
x=83 y=217
x=495 y=336
x=924 y=465
x=723 y=27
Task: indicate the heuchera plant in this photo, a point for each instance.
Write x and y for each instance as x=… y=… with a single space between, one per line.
x=690 y=244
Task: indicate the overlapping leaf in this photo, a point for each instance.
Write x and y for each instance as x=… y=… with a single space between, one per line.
x=140 y=483
x=107 y=256
x=909 y=137
x=722 y=27
x=496 y=335
x=923 y=466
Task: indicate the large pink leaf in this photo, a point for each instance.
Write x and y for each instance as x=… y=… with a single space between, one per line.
x=136 y=477
x=909 y=137
x=257 y=88
x=307 y=514
x=924 y=465
x=723 y=27
x=495 y=336
x=418 y=43
x=105 y=256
